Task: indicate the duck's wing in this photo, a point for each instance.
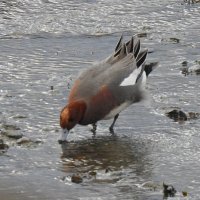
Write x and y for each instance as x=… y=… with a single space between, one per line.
x=125 y=69
x=132 y=46
x=120 y=84
x=115 y=89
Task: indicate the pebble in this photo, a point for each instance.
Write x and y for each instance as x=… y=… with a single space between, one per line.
x=174 y=40
x=76 y=178
x=184 y=193
x=193 y=115
x=184 y=63
x=92 y=173
x=152 y=186
x=168 y=190
x=23 y=140
x=11 y=131
x=140 y=35
x=12 y=134
x=3 y=146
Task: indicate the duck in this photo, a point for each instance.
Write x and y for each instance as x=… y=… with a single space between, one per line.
x=107 y=88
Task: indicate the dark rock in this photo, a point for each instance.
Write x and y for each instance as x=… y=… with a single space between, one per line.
x=27 y=142
x=193 y=115
x=168 y=191
x=62 y=142
x=184 y=63
x=11 y=131
x=197 y=62
x=8 y=96
x=140 y=35
x=108 y=170
x=192 y=1
x=177 y=115
x=197 y=71
x=24 y=140
x=184 y=193
x=19 y=117
x=152 y=186
x=92 y=173
x=185 y=71
x=3 y=146
x=76 y=178
x=12 y=134
x=145 y=28
x=174 y=40
x=193 y=69
x=10 y=127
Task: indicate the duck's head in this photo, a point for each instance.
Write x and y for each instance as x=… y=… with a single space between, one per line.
x=71 y=115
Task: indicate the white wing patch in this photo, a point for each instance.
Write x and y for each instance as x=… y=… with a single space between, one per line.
x=142 y=80
x=131 y=79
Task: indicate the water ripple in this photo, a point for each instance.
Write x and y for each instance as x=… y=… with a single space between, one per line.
x=44 y=44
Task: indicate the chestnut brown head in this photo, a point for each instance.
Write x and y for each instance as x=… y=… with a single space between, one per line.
x=72 y=114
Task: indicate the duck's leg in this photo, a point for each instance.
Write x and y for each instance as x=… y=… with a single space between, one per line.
x=94 y=128
x=112 y=125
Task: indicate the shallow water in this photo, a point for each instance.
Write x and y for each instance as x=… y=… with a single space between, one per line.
x=45 y=43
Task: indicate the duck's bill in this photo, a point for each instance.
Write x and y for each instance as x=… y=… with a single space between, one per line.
x=63 y=137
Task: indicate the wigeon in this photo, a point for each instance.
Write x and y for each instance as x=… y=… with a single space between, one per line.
x=107 y=88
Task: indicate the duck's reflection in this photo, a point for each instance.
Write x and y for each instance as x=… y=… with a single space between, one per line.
x=106 y=153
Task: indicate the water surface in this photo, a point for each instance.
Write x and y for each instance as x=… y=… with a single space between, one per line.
x=45 y=43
